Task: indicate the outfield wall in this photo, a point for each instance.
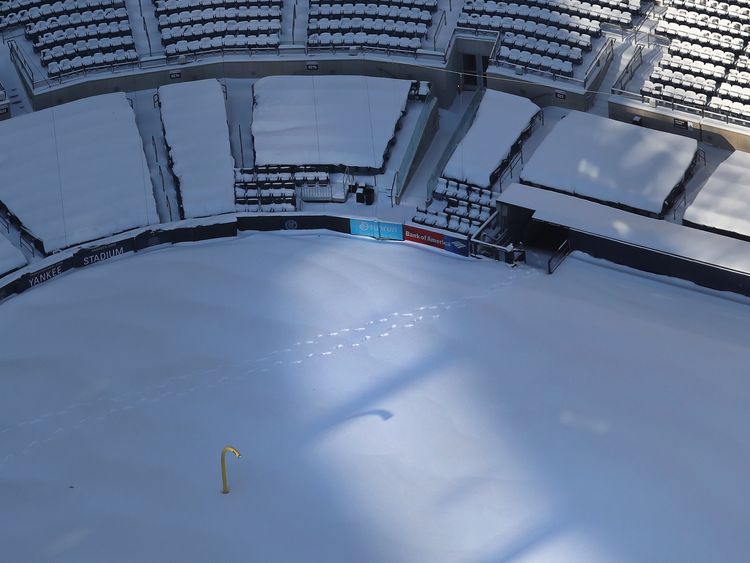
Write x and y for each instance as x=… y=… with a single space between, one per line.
x=225 y=226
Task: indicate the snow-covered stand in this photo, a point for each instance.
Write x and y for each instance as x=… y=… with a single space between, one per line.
x=331 y=121
x=76 y=172
x=496 y=132
x=631 y=167
x=722 y=205
x=194 y=117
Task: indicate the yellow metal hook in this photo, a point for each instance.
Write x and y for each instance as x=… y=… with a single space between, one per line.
x=226 y=449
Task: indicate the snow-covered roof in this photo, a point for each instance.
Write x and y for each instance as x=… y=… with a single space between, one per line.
x=195 y=125
x=11 y=257
x=500 y=120
x=611 y=161
x=336 y=120
x=724 y=201
x=616 y=224
x=76 y=172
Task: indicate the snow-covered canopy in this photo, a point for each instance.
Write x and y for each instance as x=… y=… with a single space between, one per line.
x=724 y=201
x=76 y=172
x=195 y=124
x=500 y=120
x=335 y=120
x=611 y=161
x=620 y=225
x=11 y=257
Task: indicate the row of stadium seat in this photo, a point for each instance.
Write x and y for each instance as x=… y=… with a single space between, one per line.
x=368 y=25
x=170 y=35
x=522 y=12
x=530 y=60
x=166 y=7
x=226 y=42
x=371 y=11
x=60 y=8
x=218 y=14
x=683 y=80
x=701 y=36
x=362 y=39
x=97 y=60
x=82 y=48
x=71 y=34
x=738 y=10
x=75 y=20
x=699 y=68
x=430 y=5
x=704 y=21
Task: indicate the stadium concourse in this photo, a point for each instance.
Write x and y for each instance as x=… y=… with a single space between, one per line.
x=323 y=232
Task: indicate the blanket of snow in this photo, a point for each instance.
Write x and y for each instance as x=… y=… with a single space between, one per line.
x=195 y=126
x=336 y=120
x=11 y=258
x=611 y=161
x=724 y=201
x=636 y=229
x=421 y=411
x=76 y=172
x=500 y=120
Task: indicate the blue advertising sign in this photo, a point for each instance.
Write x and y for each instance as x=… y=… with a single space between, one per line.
x=363 y=227
x=376 y=229
x=456 y=245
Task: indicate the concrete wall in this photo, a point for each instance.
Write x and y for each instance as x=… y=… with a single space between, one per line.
x=444 y=84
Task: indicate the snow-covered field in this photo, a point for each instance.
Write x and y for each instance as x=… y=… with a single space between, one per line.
x=391 y=404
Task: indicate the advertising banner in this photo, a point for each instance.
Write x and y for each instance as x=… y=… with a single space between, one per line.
x=32 y=279
x=93 y=255
x=436 y=240
x=376 y=229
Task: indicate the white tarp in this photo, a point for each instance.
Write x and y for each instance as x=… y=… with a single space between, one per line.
x=76 y=172
x=724 y=201
x=195 y=124
x=611 y=161
x=334 y=120
x=500 y=120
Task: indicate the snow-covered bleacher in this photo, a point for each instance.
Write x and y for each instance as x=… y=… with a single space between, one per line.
x=463 y=198
x=723 y=203
x=193 y=26
x=706 y=57
x=73 y=35
x=76 y=172
x=632 y=167
x=332 y=121
x=195 y=128
x=398 y=25
x=11 y=258
x=497 y=129
x=549 y=35
x=272 y=189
